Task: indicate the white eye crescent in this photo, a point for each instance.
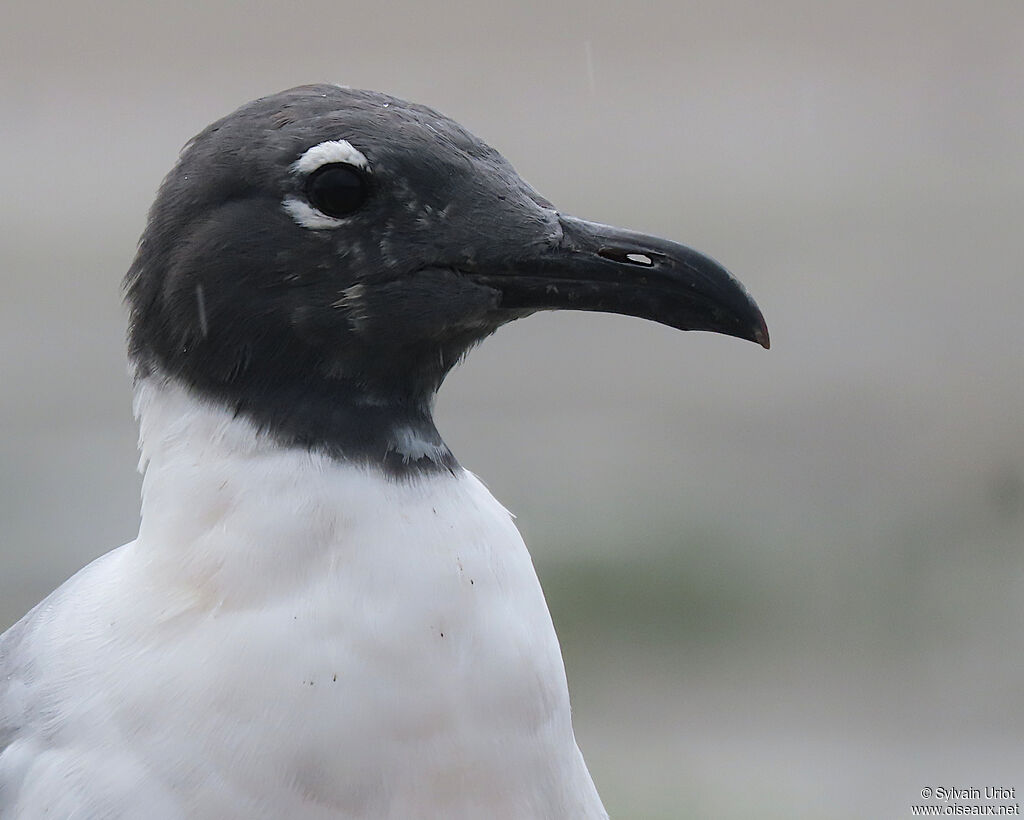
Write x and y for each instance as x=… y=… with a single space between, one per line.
x=339 y=154
x=327 y=153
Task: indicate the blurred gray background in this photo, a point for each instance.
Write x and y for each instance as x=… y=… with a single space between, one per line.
x=789 y=584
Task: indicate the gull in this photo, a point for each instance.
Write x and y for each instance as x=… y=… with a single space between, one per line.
x=324 y=615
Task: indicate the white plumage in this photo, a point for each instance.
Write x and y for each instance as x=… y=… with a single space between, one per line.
x=292 y=636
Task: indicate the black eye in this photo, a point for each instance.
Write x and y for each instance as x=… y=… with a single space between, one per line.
x=337 y=189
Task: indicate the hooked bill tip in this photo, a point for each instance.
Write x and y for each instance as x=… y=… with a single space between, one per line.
x=761 y=337
x=761 y=332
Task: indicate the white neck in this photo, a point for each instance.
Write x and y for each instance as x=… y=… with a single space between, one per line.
x=398 y=622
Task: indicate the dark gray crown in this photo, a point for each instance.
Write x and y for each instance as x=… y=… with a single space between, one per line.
x=336 y=332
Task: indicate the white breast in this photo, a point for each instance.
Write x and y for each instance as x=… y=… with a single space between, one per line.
x=293 y=637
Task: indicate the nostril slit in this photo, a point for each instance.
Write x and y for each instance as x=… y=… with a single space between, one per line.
x=628 y=257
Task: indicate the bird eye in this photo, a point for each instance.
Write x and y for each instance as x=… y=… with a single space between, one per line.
x=337 y=189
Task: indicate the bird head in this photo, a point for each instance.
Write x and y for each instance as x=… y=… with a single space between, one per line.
x=319 y=259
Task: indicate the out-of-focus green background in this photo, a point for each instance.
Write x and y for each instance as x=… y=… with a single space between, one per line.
x=788 y=584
